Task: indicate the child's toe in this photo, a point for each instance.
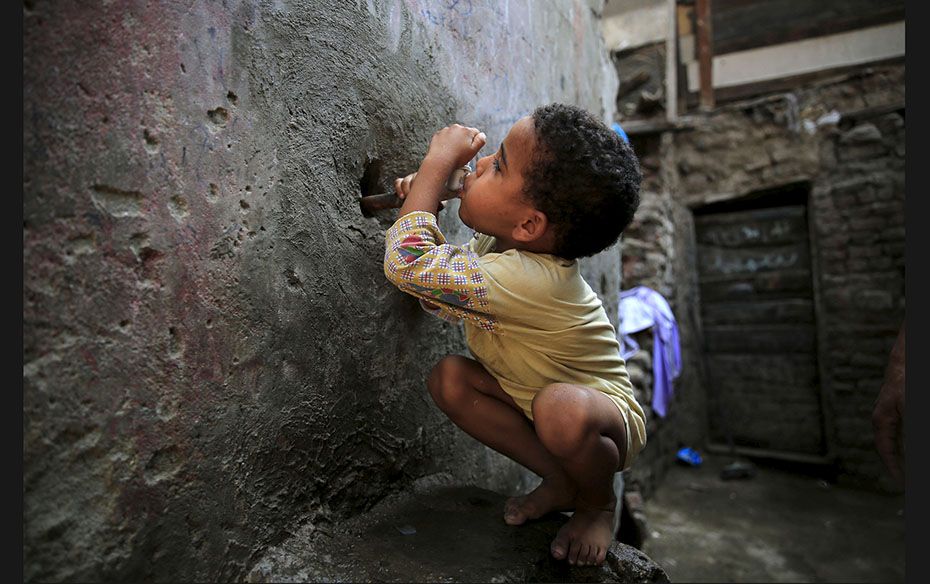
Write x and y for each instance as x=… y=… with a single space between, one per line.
x=513 y=513
x=558 y=549
x=574 y=552
x=590 y=555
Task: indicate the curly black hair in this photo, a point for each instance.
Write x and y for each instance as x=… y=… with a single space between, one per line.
x=584 y=177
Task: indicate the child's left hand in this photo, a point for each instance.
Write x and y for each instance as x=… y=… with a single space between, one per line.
x=402 y=189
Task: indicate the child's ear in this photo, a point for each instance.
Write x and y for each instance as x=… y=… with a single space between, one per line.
x=533 y=226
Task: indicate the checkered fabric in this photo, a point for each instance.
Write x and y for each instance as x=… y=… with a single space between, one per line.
x=446 y=277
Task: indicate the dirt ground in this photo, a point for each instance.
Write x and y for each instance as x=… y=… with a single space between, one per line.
x=779 y=526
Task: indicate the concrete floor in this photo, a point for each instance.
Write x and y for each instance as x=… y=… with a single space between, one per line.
x=779 y=526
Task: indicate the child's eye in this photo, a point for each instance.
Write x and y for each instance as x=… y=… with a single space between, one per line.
x=497 y=165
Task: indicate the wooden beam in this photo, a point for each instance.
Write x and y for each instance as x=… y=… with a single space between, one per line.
x=814 y=459
x=783 y=84
x=671 y=64
x=705 y=37
x=657 y=126
x=848 y=119
x=740 y=25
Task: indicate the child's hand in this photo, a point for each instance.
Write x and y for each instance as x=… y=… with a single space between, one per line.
x=455 y=145
x=402 y=189
x=402 y=185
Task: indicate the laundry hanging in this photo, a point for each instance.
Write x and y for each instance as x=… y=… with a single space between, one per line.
x=640 y=308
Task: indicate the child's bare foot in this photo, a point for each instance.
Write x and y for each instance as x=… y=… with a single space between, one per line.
x=585 y=538
x=553 y=494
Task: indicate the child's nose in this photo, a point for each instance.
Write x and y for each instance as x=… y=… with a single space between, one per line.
x=482 y=164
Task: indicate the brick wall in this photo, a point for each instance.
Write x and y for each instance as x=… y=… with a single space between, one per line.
x=858 y=214
x=841 y=137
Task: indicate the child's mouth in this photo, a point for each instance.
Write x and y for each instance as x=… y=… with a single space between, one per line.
x=465 y=184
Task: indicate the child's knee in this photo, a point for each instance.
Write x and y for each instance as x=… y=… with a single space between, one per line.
x=446 y=383
x=563 y=418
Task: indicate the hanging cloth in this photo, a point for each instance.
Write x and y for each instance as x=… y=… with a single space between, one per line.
x=640 y=308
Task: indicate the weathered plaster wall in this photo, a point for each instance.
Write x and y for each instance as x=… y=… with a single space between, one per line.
x=211 y=354
x=842 y=136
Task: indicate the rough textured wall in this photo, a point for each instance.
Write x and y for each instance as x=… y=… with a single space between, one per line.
x=842 y=136
x=657 y=253
x=858 y=208
x=211 y=353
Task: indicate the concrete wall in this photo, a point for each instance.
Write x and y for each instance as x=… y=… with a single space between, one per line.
x=211 y=353
x=842 y=136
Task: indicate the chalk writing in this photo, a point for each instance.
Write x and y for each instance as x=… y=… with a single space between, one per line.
x=767 y=232
x=752 y=264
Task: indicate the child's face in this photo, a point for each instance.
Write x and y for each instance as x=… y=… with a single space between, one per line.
x=492 y=201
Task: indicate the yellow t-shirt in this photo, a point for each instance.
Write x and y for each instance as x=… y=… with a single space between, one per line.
x=530 y=319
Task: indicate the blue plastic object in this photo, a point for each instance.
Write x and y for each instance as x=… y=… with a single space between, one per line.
x=616 y=127
x=689 y=456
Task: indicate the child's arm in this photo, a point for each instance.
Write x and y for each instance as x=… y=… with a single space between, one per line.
x=418 y=260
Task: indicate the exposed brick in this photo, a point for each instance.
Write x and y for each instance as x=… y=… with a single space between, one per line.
x=873 y=299
x=864 y=152
x=881 y=263
x=833 y=255
x=857 y=265
x=838 y=297
x=861 y=134
x=848 y=373
x=838 y=240
x=868 y=360
x=851 y=187
x=867 y=223
x=859 y=251
x=872 y=384
x=867 y=196
x=893 y=233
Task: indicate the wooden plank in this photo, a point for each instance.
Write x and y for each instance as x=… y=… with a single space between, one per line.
x=769 y=213
x=742 y=229
x=801 y=441
x=850 y=118
x=654 y=126
x=798 y=369
x=782 y=429
x=705 y=35
x=748 y=90
x=760 y=286
x=790 y=310
x=725 y=262
x=671 y=63
x=740 y=25
x=799 y=457
x=767 y=415
x=759 y=339
x=769 y=397
x=685 y=16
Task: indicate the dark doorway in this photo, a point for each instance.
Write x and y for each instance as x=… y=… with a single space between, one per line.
x=759 y=325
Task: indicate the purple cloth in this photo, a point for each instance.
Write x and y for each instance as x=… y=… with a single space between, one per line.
x=640 y=308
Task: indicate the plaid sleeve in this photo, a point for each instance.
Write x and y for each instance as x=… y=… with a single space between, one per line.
x=418 y=260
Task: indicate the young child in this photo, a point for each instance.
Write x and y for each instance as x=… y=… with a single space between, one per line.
x=547 y=386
